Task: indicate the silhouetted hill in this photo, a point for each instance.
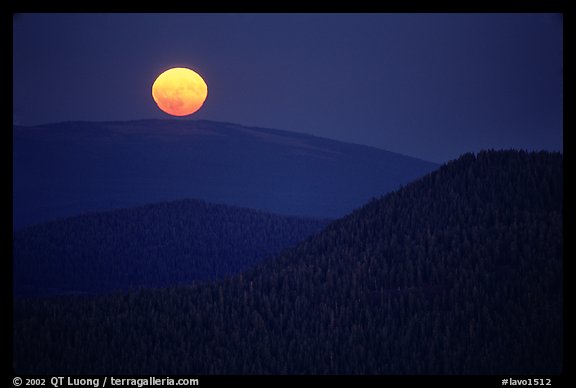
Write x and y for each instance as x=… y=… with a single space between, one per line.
x=150 y=246
x=457 y=273
x=71 y=168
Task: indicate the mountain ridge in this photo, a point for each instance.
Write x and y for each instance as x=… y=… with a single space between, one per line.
x=71 y=168
x=230 y=125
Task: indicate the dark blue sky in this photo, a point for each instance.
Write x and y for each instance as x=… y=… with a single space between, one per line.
x=427 y=85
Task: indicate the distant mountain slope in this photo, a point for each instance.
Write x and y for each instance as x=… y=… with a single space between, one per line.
x=457 y=273
x=151 y=246
x=70 y=168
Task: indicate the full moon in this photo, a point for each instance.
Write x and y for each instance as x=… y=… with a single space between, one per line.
x=179 y=91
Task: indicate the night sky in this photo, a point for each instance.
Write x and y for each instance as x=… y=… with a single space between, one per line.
x=431 y=86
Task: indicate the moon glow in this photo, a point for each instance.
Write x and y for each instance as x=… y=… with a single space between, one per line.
x=179 y=91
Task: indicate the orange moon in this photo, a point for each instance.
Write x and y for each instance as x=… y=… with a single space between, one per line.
x=179 y=91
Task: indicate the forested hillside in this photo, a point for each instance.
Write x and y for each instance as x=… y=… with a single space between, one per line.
x=457 y=273
x=156 y=245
